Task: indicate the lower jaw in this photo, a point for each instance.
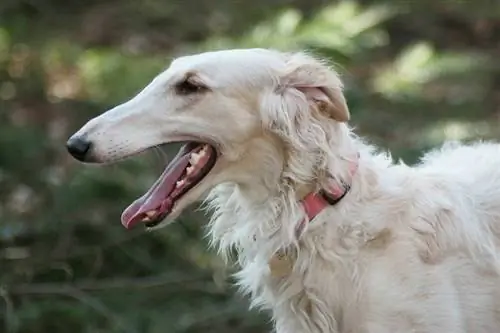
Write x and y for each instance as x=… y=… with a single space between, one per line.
x=166 y=218
x=158 y=222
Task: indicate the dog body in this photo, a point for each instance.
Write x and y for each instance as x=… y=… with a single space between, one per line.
x=408 y=249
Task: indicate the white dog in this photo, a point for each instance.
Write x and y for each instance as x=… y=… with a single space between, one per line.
x=330 y=236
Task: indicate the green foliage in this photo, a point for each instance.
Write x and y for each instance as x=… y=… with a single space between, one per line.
x=341 y=32
x=416 y=73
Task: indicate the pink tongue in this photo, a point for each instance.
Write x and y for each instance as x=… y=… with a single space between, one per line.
x=157 y=196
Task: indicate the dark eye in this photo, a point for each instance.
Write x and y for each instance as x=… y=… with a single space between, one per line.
x=188 y=87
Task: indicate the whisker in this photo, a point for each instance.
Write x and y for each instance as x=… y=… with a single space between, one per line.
x=160 y=155
x=163 y=154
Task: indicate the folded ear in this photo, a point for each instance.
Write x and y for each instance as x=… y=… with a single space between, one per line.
x=320 y=85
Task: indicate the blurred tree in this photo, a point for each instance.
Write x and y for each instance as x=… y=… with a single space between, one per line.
x=417 y=73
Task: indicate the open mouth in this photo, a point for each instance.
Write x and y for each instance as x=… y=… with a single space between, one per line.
x=190 y=166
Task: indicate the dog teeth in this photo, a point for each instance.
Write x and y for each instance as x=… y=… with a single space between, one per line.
x=194 y=159
x=189 y=170
x=180 y=183
x=151 y=213
x=149 y=216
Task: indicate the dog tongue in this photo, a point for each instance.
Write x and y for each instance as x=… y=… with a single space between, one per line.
x=156 y=198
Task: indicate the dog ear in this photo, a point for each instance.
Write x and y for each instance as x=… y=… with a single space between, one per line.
x=319 y=84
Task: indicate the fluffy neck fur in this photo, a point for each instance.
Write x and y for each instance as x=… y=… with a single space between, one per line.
x=262 y=216
x=256 y=221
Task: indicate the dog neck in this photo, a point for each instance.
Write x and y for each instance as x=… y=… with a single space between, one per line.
x=314 y=201
x=259 y=220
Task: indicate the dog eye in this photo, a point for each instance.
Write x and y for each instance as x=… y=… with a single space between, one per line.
x=188 y=87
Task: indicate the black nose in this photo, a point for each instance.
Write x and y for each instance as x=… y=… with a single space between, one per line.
x=78 y=147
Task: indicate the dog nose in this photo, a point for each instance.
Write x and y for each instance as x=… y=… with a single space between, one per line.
x=78 y=147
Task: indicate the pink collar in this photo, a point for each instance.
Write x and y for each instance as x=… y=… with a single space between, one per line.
x=314 y=202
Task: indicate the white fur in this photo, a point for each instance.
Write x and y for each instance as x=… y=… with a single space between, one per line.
x=409 y=249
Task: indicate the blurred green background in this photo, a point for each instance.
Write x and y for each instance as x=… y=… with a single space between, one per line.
x=417 y=73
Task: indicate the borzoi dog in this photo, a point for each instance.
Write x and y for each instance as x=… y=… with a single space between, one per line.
x=330 y=235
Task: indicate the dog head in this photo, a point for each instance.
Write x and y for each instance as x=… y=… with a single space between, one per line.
x=251 y=117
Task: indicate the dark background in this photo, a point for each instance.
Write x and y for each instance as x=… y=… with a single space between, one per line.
x=417 y=73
